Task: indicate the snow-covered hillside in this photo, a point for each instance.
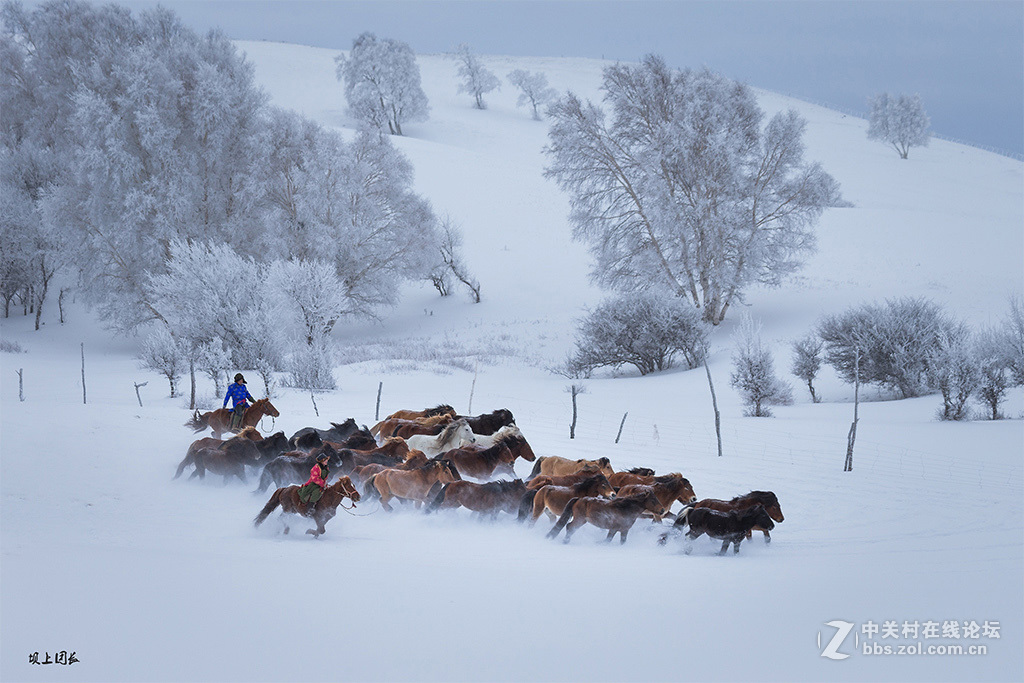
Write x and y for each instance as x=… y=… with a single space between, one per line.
x=151 y=579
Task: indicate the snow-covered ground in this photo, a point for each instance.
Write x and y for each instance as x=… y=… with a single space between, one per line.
x=145 y=578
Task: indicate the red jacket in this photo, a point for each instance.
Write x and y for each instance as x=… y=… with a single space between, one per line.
x=316 y=476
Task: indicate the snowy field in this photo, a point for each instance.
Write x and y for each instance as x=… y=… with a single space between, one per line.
x=149 y=579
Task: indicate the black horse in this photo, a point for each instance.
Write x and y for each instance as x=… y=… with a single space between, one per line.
x=488 y=423
x=308 y=438
x=294 y=467
x=729 y=527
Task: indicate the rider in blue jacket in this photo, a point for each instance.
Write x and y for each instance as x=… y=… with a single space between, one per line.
x=238 y=395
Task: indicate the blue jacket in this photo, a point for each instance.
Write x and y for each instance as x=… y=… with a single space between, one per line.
x=238 y=394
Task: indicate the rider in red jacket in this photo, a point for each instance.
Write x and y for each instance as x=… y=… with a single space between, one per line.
x=314 y=487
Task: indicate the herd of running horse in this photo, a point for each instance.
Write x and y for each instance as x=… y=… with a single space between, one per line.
x=423 y=457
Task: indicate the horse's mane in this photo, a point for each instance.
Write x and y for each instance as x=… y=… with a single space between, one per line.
x=503 y=485
x=442 y=409
x=642 y=471
x=448 y=433
x=766 y=498
x=588 y=483
x=245 y=433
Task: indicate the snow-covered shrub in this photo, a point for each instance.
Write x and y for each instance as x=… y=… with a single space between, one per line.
x=8 y=346
x=993 y=357
x=1013 y=335
x=645 y=330
x=952 y=369
x=807 y=361
x=310 y=367
x=899 y=121
x=753 y=373
x=893 y=341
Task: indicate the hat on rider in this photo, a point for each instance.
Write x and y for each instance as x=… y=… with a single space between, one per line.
x=239 y=378
x=323 y=457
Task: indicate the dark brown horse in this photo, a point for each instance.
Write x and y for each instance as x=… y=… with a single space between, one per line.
x=326 y=507
x=488 y=423
x=668 y=492
x=766 y=498
x=553 y=499
x=308 y=438
x=414 y=485
x=294 y=467
x=239 y=451
x=617 y=515
x=729 y=527
x=219 y=421
x=486 y=499
x=620 y=479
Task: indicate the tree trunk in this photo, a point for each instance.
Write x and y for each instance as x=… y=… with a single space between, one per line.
x=714 y=403
x=848 y=466
x=192 y=380
x=572 y=425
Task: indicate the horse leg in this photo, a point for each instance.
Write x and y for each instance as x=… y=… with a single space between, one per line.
x=610 y=536
x=691 y=536
x=725 y=546
x=736 y=545
x=767 y=536
x=571 y=528
x=622 y=536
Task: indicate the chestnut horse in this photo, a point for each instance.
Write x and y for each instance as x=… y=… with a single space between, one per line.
x=617 y=515
x=413 y=415
x=766 y=498
x=668 y=492
x=553 y=499
x=557 y=465
x=486 y=499
x=431 y=426
x=326 y=507
x=219 y=421
x=482 y=463
x=562 y=479
x=412 y=485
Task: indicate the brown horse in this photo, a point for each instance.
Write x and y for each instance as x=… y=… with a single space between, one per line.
x=326 y=507
x=562 y=479
x=553 y=499
x=482 y=463
x=431 y=426
x=766 y=498
x=617 y=515
x=219 y=421
x=442 y=409
x=668 y=492
x=412 y=485
x=557 y=465
x=240 y=450
x=620 y=479
x=486 y=499
x=488 y=423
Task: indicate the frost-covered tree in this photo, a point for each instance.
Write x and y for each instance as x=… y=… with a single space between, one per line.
x=681 y=187
x=807 y=361
x=477 y=79
x=993 y=364
x=382 y=83
x=533 y=90
x=645 y=330
x=1013 y=335
x=953 y=370
x=452 y=261
x=164 y=353
x=753 y=373
x=889 y=345
x=899 y=121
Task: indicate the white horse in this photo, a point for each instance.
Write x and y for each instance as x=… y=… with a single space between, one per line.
x=455 y=435
x=506 y=432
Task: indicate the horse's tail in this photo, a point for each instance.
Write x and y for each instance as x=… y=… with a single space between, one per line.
x=184 y=463
x=375 y=429
x=198 y=422
x=266 y=479
x=271 y=505
x=370 y=488
x=438 y=499
x=536 y=468
x=526 y=505
x=564 y=519
x=677 y=526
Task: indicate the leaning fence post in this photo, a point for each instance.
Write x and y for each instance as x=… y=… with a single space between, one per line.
x=21 y=386
x=376 y=415
x=137 y=394
x=621 y=425
x=83 y=373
